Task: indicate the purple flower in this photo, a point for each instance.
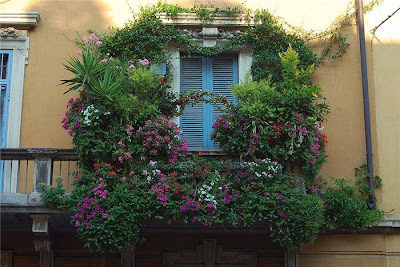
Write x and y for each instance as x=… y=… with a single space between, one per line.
x=104 y=216
x=280 y=197
x=282 y=214
x=195 y=218
x=183 y=208
x=144 y=62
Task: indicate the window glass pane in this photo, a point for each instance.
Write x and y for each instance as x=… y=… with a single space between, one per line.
x=3 y=65
x=2 y=105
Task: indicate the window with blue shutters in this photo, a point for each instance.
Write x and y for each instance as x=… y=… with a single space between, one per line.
x=214 y=74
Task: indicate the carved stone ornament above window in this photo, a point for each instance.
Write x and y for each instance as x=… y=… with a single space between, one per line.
x=206 y=32
x=220 y=29
x=9 y=32
x=191 y=19
x=23 y=20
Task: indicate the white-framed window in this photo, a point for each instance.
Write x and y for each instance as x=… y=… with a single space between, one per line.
x=14 y=51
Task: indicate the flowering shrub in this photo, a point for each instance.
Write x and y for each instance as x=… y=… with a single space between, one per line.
x=280 y=121
x=134 y=166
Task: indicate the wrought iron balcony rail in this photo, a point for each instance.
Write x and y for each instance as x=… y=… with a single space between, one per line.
x=23 y=169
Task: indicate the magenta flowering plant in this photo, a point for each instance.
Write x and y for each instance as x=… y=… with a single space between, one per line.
x=157 y=139
x=281 y=121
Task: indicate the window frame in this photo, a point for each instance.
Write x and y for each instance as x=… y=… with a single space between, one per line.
x=6 y=106
x=20 y=48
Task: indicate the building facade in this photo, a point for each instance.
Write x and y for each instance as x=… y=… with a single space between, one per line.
x=36 y=38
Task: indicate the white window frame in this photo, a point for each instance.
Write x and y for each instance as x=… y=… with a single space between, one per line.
x=20 y=47
x=209 y=38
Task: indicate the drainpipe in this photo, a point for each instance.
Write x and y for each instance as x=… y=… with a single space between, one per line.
x=367 y=117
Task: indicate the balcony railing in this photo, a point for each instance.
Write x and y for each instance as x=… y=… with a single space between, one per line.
x=22 y=169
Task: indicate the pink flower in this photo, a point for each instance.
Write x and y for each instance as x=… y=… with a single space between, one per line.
x=94 y=37
x=144 y=62
x=99 y=43
x=79 y=52
x=131 y=66
x=85 y=40
x=282 y=214
x=104 y=216
x=128 y=155
x=104 y=60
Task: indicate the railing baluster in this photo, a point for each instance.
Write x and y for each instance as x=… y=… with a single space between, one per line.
x=60 y=174
x=68 y=170
x=26 y=175
x=18 y=175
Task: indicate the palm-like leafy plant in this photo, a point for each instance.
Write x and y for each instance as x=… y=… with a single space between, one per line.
x=90 y=68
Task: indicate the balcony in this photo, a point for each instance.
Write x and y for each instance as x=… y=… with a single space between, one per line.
x=23 y=169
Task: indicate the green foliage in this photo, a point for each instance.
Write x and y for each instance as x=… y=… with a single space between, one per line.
x=346 y=211
x=133 y=165
x=362 y=180
x=279 y=120
x=55 y=196
x=89 y=69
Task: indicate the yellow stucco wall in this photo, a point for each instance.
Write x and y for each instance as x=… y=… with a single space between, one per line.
x=386 y=58
x=44 y=103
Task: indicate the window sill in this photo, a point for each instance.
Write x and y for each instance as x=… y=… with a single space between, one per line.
x=207 y=152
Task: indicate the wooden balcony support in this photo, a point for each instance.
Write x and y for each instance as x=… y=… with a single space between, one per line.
x=128 y=258
x=43 y=239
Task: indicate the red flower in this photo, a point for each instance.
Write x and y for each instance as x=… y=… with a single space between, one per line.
x=200 y=154
x=162 y=80
x=324 y=139
x=96 y=165
x=111 y=173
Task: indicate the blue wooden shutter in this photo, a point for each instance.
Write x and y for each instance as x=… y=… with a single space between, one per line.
x=192 y=118
x=224 y=74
